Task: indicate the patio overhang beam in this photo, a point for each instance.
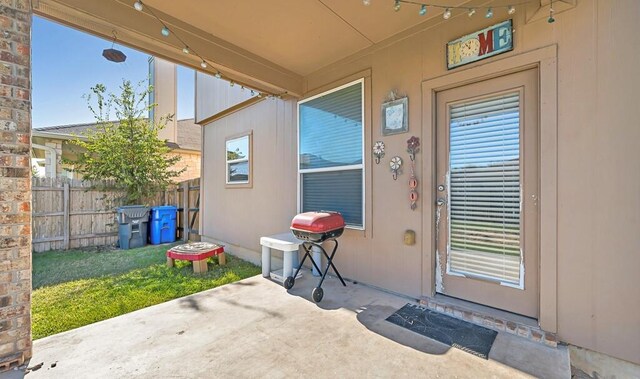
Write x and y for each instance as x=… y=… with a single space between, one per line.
x=141 y=31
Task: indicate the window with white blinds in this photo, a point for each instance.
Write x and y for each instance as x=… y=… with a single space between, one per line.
x=484 y=188
x=330 y=130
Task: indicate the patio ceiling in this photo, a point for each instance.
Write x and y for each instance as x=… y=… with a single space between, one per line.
x=269 y=45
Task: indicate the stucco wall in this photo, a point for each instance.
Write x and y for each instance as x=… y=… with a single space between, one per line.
x=598 y=207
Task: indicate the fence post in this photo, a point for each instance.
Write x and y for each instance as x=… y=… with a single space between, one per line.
x=185 y=211
x=65 y=222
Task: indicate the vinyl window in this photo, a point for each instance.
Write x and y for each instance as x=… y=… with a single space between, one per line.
x=238 y=160
x=330 y=156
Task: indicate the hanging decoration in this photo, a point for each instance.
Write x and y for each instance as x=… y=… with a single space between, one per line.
x=493 y=40
x=378 y=150
x=413 y=146
x=114 y=55
x=395 y=114
x=423 y=8
x=395 y=164
x=167 y=32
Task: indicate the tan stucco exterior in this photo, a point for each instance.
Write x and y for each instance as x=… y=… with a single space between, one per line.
x=589 y=182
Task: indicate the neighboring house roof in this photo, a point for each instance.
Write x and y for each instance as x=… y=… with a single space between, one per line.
x=189 y=133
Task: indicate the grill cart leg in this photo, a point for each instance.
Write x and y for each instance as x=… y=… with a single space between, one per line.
x=290 y=281
x=318 y=292
x=330 y=264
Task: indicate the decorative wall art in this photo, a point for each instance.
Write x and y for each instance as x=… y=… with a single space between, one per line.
x=378 y=150
x=395 y=164
x=413 y=146
x=395 y=115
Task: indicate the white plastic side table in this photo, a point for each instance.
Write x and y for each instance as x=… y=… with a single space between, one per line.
x=285 y=242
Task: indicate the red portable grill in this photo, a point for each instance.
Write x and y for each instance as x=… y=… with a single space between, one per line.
x=314 y=228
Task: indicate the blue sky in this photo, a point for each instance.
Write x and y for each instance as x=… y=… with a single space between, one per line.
x=67 y=63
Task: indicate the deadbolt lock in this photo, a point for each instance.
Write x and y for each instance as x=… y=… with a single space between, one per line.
x=441 y=187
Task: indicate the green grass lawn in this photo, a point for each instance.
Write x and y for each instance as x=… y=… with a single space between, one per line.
x=76 y=288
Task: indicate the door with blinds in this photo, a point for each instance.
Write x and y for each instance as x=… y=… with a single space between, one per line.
x=487 y=192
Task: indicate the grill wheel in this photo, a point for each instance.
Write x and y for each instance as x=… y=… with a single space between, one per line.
x=317 y=294
x=289 y=282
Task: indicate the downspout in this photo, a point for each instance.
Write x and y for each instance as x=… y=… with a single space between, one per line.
x=54 y=158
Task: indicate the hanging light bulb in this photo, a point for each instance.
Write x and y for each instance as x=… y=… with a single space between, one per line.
x=203 y=64
x=165 y=31
x=366 y=2
x=259 y=94
x=218 y=75
x=185 y=49
x=232 y=83
x=511 y=9
x=489 y=13
x=471 y=12
x=138 y=5
x=423 y=10
x=551 y=20
x=396 y=6
x=447 y=14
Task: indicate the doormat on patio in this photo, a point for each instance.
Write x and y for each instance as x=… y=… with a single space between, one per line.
x=463 y=335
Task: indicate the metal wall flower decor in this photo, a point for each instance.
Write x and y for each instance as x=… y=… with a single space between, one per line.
x=413 y=146
x=395 y=164
x=378 y=150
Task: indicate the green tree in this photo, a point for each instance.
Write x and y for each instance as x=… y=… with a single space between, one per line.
x=127 y=151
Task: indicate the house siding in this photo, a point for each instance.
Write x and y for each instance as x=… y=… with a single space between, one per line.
x=594 y=303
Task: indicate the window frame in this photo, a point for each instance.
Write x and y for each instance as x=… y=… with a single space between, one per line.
x=361 y=166
x=249 y=159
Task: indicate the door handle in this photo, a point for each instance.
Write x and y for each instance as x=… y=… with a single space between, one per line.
x=441 y=202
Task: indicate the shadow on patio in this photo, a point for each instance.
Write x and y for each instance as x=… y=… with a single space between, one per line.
x=254 y=328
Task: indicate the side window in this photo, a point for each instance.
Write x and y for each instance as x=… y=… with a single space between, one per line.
x=238 y=161
x=331 y=170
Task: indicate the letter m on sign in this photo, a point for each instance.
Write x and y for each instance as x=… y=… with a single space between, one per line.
x=486 y=42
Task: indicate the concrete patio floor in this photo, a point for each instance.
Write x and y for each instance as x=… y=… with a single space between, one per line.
x=254 y=328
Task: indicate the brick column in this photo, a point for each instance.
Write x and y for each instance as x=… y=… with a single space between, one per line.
x=15 y=182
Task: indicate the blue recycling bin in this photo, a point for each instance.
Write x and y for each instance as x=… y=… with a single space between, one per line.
x=162 y=224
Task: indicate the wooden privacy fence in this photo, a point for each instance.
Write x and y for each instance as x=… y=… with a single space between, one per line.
x=70 y=214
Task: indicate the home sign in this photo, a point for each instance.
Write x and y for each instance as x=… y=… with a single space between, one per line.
x=485 y=43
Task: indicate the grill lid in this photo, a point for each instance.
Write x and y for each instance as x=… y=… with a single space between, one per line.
x=318 y=222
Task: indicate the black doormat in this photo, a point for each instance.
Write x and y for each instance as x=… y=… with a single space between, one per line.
x=463 y=335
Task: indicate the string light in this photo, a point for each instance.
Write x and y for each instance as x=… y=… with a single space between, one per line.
x=165 y=31
x=448 y=9
x=489 y=13
x=551 y=20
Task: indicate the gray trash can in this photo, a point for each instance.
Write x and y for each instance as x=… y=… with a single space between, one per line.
x=132 y=226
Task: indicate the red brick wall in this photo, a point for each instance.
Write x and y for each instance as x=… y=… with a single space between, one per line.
x=15 y=182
